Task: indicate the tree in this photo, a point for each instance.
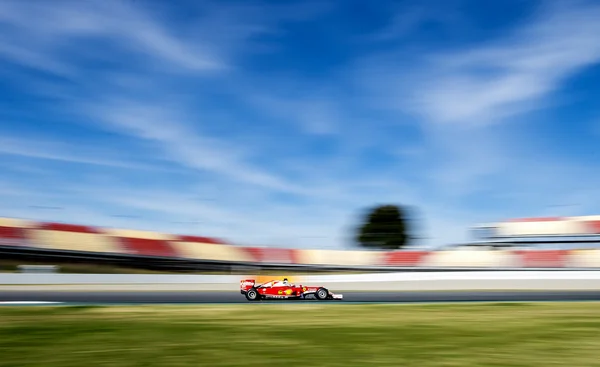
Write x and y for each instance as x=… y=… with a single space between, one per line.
x=385 y=227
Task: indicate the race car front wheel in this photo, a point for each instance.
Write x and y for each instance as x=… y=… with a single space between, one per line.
x=322 y=294
x=252 y=294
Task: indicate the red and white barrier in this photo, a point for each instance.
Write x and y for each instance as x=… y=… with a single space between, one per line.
x=551 y=226
x=59 y=236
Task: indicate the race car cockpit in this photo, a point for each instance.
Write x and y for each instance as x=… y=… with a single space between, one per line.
x=284 y=283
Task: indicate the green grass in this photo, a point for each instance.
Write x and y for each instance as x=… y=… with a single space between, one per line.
x=566 y=334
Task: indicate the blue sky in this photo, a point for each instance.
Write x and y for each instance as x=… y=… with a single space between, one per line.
x=278 y=122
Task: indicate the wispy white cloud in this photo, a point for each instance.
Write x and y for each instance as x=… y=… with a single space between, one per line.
x=406 y=20
x=312 y=113
x=184 y=144
x=55 y=151
x=67 y=31
x=59 y=26
x=496 y=80
x=487 y=83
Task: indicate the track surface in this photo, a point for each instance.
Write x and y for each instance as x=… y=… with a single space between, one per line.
x=154 y=297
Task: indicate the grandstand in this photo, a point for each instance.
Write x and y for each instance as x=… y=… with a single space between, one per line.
x=538 y=242
x=581 y=232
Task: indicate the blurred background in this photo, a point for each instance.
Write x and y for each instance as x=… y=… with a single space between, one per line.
x=162 y=152
x=278 y=128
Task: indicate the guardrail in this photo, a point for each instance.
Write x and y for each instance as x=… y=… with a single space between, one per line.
x=233 y=267
x=448 y=281
x=43 y=269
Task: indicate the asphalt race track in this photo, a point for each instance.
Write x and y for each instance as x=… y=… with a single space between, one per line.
x=162 y=297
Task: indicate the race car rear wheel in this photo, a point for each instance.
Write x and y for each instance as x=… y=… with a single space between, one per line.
x=322 y=294
x=252 y=294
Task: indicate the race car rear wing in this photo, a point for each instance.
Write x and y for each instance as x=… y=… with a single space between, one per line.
x=247 y=283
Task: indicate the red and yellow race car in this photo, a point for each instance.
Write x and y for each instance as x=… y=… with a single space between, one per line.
x=276 y=289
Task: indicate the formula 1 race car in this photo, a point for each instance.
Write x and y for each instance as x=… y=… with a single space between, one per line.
x=275 y=289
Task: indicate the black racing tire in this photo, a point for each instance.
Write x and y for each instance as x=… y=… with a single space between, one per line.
x=322 y=294
x=252 y=294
